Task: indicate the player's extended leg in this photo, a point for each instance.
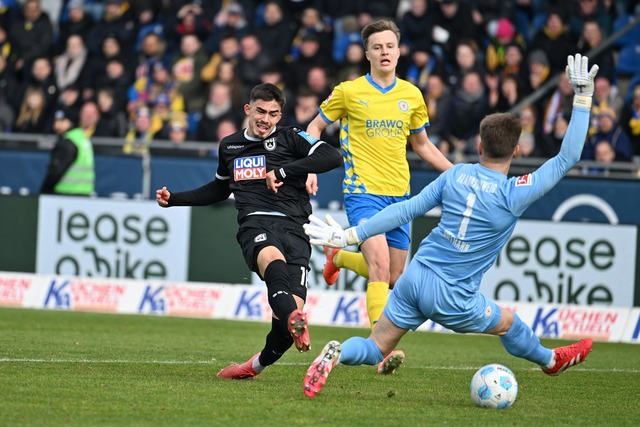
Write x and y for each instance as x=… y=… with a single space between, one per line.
x=520 y=341
x=340 y=258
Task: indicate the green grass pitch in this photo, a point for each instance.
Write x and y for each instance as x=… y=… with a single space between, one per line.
x=62 y=368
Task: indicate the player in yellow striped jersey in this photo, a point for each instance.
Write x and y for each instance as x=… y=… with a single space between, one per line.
x=378 y=112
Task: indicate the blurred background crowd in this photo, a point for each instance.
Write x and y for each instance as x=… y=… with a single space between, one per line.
x=181 y=70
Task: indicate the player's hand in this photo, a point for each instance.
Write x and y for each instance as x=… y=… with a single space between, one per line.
x=312 y=183
x=162 y=197
x=579 y=78
x=329 y=233
x=273 y=183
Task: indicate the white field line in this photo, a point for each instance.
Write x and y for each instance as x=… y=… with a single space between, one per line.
x=214 y=361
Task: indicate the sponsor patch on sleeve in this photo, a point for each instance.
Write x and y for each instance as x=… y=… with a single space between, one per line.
x=309 y=138
x=524 y=180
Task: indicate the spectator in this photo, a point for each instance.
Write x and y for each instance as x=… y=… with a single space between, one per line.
x=32 y=115
x=31 y=36
x=89 y=118
x=590 y=10
x=190 y=19
x=529 y=134
x=421 y=65
x=504 y=35
x=186 y=69
x=117 y=20
x=226 y=128
x=147 y=89
x=219 y=107
x=227 y=74
x=468 y=107
x=41 y=76
x=414 y=26
x=606 y=95
x=140 y=133
x=305 y=110
x=466 y=60
x=604 y=152
x=71 y=64
x=630 y=119
x=230 y=22
x=539 y=71
x=354 y=65
x=318 y=82
x=560 y=104
x=346 y=34
x=96 y=75
x=452 y=23
x=438 y=99
x=8 y=84
x=591 y=38
x=78 y=22
x=70 y=100
x=550 y=143
x=115 y=78
x=311 y=23
x=251 y=63
x=555 y=40
x=310 y=56
x=152 y=50
x=487 y=13
x=229 y=51
x=514 y=64
x=509 y=94
x=71 y=168
x=113 y=122
x=609 y=130
x=276 y=33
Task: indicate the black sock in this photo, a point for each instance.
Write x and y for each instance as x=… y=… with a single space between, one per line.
x=277 y=279
x=278 y=341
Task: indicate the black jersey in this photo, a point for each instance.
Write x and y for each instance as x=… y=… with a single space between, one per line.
x=245 y=163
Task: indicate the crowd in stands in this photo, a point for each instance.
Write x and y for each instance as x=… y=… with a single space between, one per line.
x=144 y=70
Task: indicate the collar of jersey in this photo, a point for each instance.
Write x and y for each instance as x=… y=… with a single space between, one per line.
x=251 y=138
x=378 y=87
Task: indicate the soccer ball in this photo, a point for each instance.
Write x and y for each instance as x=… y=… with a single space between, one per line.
x=494 y=386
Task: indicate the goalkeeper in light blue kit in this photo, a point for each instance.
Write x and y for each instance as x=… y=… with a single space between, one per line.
x=480 y=207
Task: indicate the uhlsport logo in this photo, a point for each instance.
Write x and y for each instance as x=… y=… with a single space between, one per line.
x=247 y=168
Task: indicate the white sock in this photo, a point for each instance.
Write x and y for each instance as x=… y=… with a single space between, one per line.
x=257 y=366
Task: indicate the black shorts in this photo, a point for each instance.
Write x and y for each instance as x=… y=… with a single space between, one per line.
x=256 y=232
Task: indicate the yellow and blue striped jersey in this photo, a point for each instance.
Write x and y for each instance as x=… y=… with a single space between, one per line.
x=375 y=123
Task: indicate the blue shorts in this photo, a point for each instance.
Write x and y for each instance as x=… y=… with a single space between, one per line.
x=360 y=207
x=420 y=295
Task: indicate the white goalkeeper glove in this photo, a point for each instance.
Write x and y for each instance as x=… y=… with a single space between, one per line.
x=329 y=233
x=581 y=80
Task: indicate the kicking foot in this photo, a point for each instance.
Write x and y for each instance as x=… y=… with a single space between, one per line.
x=318 y=372
x=568 y=356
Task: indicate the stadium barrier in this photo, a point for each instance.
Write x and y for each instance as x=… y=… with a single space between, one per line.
x=250 y=303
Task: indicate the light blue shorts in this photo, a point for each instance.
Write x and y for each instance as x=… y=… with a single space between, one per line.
x=360 y=207
x=420 y=295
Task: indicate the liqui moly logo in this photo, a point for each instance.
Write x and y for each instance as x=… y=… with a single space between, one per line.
x=13 y=290
x=246 y=168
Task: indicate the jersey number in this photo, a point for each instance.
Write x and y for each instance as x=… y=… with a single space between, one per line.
x=471 y=199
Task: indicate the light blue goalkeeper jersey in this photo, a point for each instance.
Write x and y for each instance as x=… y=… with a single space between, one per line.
x=480 y=208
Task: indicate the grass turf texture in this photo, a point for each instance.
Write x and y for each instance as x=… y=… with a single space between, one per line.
x=85 y=369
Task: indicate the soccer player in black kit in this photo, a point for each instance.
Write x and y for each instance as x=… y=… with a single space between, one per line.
x=266 y=167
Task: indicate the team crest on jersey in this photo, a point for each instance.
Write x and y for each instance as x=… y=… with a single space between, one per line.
x=403 y=106
x=270 y=144
x=260 y=238
x=246 y=168
x=523 y=180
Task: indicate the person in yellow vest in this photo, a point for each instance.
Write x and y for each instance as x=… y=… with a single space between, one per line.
x=71 y=167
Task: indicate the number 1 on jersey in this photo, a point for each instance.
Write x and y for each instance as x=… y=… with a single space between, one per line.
x=471 y=199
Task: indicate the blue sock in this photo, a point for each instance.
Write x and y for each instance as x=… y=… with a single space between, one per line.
x=520 y=341
x=360 y=351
